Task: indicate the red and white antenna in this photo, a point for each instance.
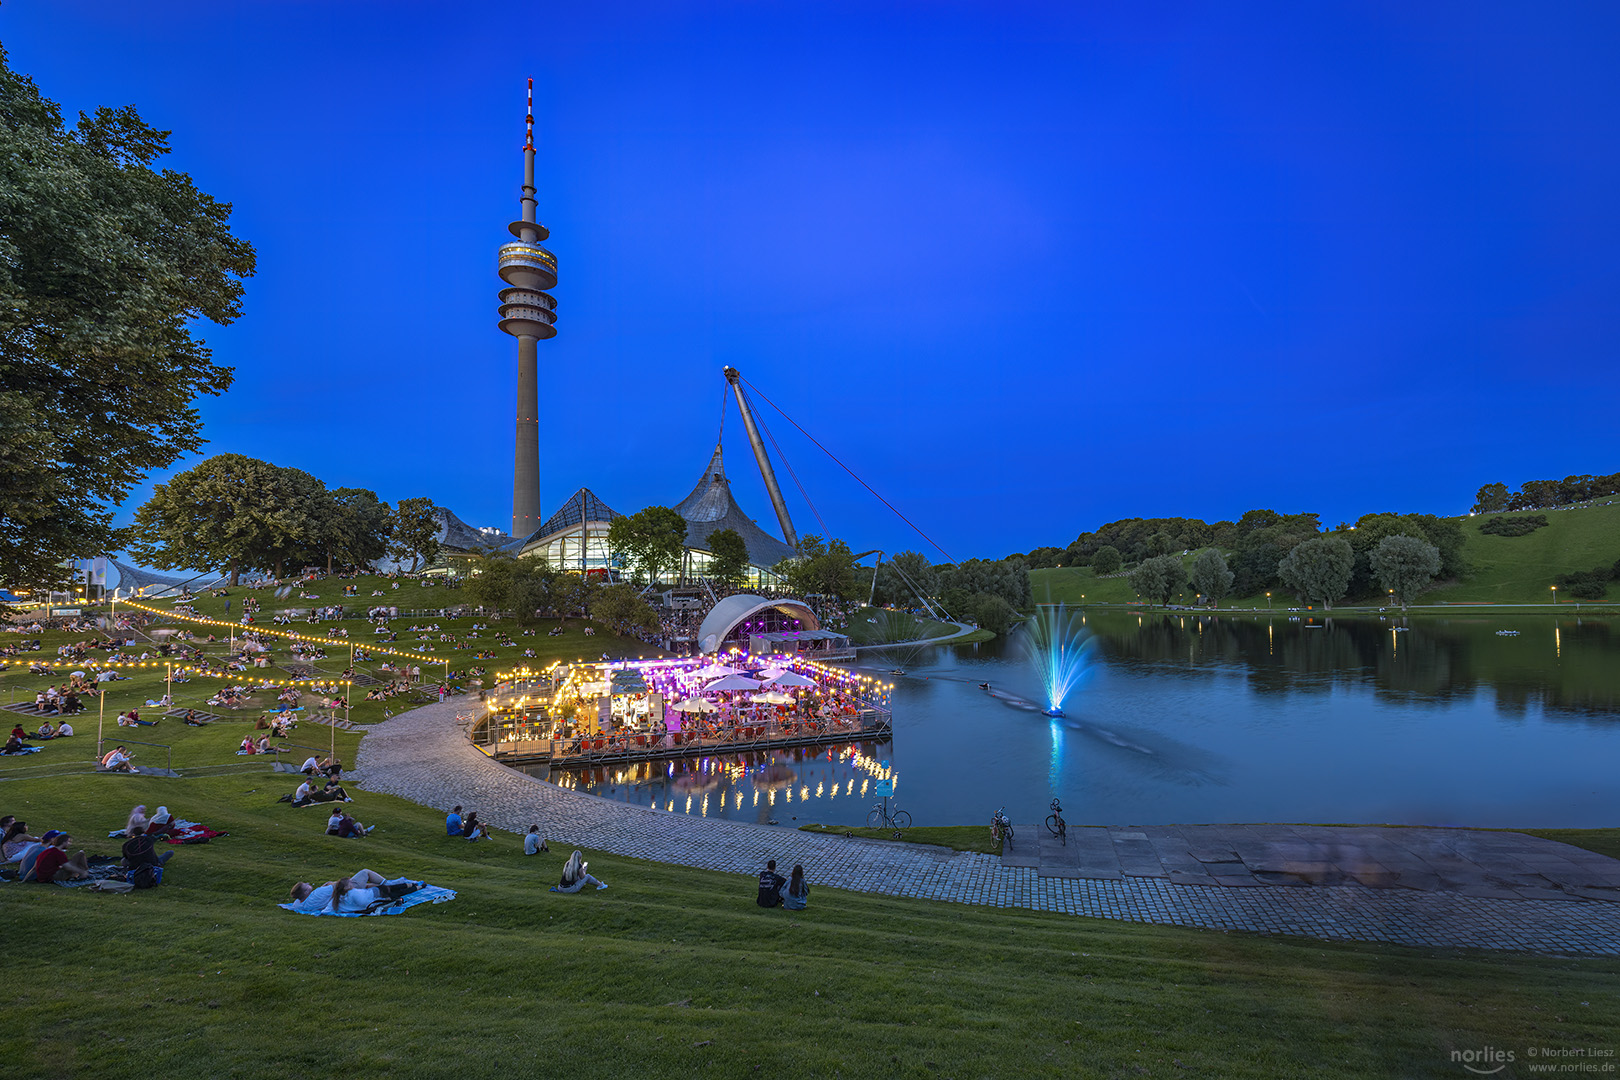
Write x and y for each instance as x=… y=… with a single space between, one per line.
x=528 y=134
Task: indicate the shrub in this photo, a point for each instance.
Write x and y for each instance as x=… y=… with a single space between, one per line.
x=1513 y=526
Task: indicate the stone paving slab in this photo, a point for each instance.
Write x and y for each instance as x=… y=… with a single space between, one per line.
x=424 y=755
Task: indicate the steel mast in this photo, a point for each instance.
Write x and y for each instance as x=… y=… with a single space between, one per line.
x=788 y=532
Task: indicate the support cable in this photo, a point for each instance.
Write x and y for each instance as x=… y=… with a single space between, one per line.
x=825 y=531
x=851 y=472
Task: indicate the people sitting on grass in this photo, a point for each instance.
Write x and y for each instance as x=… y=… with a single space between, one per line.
x=17 y=840
x=310 y=766
x=161 y=824
x=770 y=886
x=796 y=893
x=142 y=860
x=533 y=842
x=64 y=730
x=452 y=822
x=191 y=719
x=45 y=731
x=117 y=760
x=248 y=746
x=19 y=734
x=53 y=863
x=332 y=767
x=473 y=829
x=137 y=819
x=15 y=745
x=345 y=827
x=576 y=876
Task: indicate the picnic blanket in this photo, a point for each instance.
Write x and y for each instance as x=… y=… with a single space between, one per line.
x=23 y=750
x=427 y=894
x=185 y=832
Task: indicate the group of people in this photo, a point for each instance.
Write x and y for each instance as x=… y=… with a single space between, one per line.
x=775 y=890
x=356 y=894
x=47 y=858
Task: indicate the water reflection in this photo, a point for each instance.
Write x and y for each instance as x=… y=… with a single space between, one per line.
x=1218 y=718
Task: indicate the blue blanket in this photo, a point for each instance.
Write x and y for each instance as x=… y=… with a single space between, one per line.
x=25 y=750
x=428 y=894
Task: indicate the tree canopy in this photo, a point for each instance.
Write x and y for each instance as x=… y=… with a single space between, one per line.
x=653 y=540
x=1210 y=575
x=414 y=529
x=107 y=264
x=1318 y=569
x=1159 y=578
x=230 y=511
x=730 y=553
x=1405 y=565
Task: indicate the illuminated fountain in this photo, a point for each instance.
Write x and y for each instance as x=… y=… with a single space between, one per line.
x=1058 y=646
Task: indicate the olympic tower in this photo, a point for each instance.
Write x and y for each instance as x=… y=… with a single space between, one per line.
x=528 y=314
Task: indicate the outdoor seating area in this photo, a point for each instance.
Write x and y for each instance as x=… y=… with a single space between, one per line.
x=626 y=711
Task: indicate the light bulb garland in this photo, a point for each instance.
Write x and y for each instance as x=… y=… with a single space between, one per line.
x=345 y=643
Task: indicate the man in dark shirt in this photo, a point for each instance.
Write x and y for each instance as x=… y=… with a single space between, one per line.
x=54 y=862
x=141 y=850
x=770 y=885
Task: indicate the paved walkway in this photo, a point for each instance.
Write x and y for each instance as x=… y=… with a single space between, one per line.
x=424 y=755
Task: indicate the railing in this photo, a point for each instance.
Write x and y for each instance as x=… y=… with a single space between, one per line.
x=585 y=749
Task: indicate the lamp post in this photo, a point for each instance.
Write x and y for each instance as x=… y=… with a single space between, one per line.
x=1555 y=595
x=1268 y=601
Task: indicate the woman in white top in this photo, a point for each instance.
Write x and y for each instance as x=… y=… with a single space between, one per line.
x=358 y=892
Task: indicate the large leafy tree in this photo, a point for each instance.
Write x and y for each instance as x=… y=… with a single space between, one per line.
x=906 y=580
x=1318 y=569
x=1159 y=578
x=1210 y=575
x=357 y=530
x=653 y=539
x=414 y=529
x=1490 y=498
x=107 y=264
x=1405 y=565
x=623 y=609
x=730 y=553
x=230 y=511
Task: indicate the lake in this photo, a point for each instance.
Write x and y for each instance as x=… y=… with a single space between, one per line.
x=1436 y=720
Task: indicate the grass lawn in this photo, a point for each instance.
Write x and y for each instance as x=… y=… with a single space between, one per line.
x=675 y=972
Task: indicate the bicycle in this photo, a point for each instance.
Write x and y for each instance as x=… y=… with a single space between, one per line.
x=1001 y=828
x=1055 y=823
x=880 y=818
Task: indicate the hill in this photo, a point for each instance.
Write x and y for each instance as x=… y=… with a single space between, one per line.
x=1504 y=570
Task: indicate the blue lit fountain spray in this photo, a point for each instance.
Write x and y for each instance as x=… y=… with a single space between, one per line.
x=1058 y=646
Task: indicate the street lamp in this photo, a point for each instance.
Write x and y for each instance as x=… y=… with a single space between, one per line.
x=1268 y=601
x=1555 y=595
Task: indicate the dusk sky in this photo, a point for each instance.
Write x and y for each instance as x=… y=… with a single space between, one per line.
x=1025 y=268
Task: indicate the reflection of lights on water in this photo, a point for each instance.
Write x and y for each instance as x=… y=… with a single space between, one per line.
x=804 y=792
x=739 y=800
x=1558 y=644
x=787 y=793
x=756 y=796
x=819 y=788
x=704 y=809
x=671 y=806
x=689 y=804
x=864 y=784
x=770 y=797
x=849 y=788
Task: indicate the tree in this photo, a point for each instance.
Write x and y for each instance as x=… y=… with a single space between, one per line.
x=1106 y=561
x=730 y=553
x=1318 y=569
x=1210 y=575
x=906 y=580
x=106 y=267
x=1159 y=578
x=229 y=510
x=622 y=609
x=1161 y=543
x=1491 y=498
x=357 y=531
x=1405 y=565
x=652 y=539
x=414 y=529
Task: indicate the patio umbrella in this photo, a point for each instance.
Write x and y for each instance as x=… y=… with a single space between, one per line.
x=713 y=671
x=731 y=682
x=790 y=678
x=776 y=697
x=693 y=705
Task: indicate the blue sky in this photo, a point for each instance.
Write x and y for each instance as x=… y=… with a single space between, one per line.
x=1025 y=268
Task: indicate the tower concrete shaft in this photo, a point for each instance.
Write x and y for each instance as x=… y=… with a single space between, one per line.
x=528 y=314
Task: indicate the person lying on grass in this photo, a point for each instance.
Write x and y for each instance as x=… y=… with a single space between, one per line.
x=310 y=899
x=343 y=826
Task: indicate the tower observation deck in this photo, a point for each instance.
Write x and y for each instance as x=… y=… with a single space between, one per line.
x=528 y=314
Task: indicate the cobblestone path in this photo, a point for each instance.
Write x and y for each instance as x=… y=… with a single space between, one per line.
x=425 y=756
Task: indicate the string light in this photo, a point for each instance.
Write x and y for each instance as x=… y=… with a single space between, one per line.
x=254 y=628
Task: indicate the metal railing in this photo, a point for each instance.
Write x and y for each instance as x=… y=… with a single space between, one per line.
x=588 y=748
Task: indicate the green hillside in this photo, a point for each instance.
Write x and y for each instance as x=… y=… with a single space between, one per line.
x=1505 y=570
x=1519 y=570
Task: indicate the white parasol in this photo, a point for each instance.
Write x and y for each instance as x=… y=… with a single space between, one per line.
x=712 y=671
x=731 y=682
x=693 y=705
x=790 y=678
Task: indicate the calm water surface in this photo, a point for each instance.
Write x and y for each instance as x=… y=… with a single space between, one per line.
x=1217 y=719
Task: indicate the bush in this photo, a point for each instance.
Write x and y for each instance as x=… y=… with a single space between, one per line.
x=1590 y=584
x=1513 y=526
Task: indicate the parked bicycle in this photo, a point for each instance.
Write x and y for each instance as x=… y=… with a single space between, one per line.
x=881 y=818
x=1055 y=824
x=1001 y=828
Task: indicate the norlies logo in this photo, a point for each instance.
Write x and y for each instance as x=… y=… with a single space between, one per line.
x=1485 y=1061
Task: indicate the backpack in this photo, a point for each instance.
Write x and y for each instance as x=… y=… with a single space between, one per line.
x=146 y=876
